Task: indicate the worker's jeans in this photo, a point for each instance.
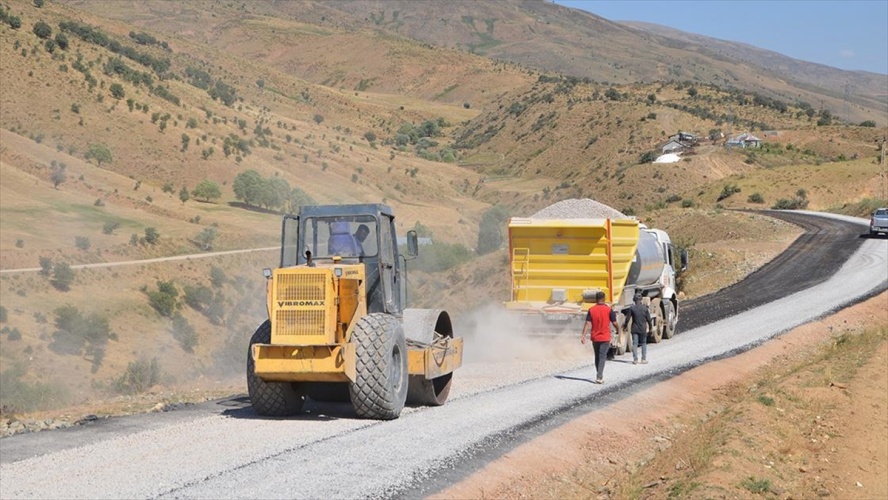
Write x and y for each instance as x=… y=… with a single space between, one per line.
x=639 y=338
x=600 y=349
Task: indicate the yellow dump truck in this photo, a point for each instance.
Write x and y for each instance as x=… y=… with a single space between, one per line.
x=558 y=266
x=338 y=327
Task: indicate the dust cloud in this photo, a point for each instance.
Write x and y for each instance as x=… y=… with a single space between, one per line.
x=493 y=334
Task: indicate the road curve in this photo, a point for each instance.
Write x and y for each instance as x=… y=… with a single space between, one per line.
x=221 y=452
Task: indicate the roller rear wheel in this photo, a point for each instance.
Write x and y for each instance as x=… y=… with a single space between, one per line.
x=271 y=399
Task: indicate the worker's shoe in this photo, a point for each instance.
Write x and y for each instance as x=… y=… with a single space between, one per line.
x=599 y=381
x=644 y=361
x=634 y=361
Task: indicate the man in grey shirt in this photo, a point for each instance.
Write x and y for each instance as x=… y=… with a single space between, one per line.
x=641 y=322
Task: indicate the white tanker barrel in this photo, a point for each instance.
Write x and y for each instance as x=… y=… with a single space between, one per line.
x=648 y=264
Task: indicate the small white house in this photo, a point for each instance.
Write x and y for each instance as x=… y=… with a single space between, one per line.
x=675 y=146
x=744 y=140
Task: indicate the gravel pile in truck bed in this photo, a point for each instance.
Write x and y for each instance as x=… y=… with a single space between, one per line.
x=574 y=208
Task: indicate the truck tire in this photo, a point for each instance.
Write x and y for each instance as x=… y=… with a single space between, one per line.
x=420 y=325
x=271 y=399
x=656 y=334
x=379 y=390
x=669 y=319
x=624 y=338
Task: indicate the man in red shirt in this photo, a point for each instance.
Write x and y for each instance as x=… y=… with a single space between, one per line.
x=598 y=323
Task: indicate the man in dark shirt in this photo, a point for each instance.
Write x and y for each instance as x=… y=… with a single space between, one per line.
x=641 y=321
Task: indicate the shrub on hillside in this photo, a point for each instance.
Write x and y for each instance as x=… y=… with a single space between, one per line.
x=139 y=376
x=20 y=395
x=165 y=299
x=42 y=30
x=151 y=235
x=490 y=235
x=45 y=266
x=206 y=237
x=3 y=314
x=100 y=152
x=756 y=198
x=62 y=277
x=184 y=333
x=82 y=242
x=109 y=227
x=439 y=257
x=78 y=334
x=727 y=191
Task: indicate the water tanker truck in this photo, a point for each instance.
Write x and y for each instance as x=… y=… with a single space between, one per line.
x=558 y=266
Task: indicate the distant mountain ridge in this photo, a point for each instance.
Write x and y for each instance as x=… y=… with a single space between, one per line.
x=862 y=85
x=534 y=33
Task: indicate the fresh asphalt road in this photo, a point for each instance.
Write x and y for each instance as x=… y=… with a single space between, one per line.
x=223 y=450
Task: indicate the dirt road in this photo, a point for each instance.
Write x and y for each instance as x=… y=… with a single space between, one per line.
x=224 y=450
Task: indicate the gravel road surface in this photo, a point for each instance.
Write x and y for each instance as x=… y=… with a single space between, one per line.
x=224 y=450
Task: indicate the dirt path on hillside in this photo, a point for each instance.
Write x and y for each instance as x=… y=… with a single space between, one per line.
x=593 y=455
x=147 y=261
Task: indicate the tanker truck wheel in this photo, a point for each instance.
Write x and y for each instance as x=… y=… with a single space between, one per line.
x=669 y=319
x=420 y=325
x=656 y=334
x=271 y=399
x=380 y=386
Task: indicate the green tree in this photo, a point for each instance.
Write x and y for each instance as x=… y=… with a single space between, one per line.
x=38 y=4
x=183 y=194
x=42 y=30
x=490 y=229
x=276 y=192
x=692 y=91
x=185 y=141
x=62 y=276
x=207 y=190
x=248 y=187
x=318 y=118
x=117 y=91
x=100 y=153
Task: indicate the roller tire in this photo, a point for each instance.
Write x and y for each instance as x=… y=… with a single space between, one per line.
x=379 y=390
x=271 y=399
x=669 y=319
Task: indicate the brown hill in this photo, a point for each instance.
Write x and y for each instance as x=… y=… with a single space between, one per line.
x=533 y=33
x=344 y=111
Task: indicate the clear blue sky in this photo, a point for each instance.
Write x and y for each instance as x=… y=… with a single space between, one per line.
x=850 y=35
